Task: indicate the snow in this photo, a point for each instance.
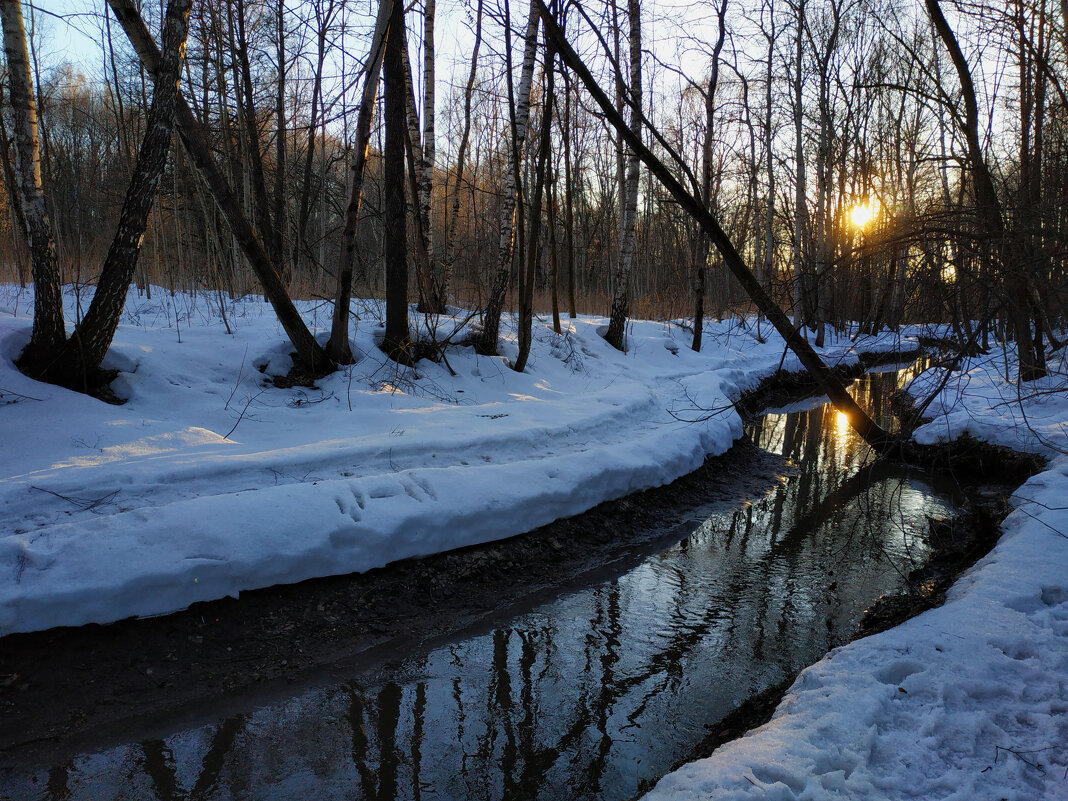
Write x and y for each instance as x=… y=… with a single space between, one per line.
x=966 y=701
x=208 y=481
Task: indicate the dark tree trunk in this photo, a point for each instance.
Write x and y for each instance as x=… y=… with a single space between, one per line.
x=79 y=361
x=526 y=292
x=701 y=257
x=397 y=341
x=338 y=347
x=260 y=201
x=511 y=206
x=554 y=256
x=278 y=246
x=988 y=208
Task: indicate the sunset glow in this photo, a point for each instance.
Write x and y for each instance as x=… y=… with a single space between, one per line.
x=862 y=214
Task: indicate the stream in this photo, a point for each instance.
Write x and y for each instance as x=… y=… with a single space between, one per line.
x=593 y=694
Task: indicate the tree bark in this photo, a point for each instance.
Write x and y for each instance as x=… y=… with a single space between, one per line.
x=423 y=254
x=617 y=321
x=338 y=348
x=49 y=332
x=526 y=294
x=426 y=184
x=77 y=362
x=802 y=301
x=397 y=342
x=701 y=254
x=11 y=188
x=487 y=342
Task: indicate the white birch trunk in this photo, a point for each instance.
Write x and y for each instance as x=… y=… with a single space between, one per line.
x=491 y=323
x=48 y=327
x=618 y=319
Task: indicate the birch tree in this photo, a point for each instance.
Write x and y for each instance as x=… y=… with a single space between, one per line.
x=49 y=333
x=488 y=339
x=76 y=362
x=621 y=299
x=338 y=347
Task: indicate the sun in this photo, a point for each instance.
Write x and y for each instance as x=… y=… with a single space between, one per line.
x=862 y=213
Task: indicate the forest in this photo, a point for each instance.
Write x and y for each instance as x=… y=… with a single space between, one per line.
x=567 y=399
x=866 y=161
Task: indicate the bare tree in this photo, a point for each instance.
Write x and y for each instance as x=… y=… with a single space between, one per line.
x=487 y=342
x=397 y=342
x=620 y=302
x=49 y=333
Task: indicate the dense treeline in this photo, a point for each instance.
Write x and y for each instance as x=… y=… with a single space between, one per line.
x=865 y=165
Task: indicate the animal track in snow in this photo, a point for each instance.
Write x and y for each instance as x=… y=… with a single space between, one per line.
x=897 y=672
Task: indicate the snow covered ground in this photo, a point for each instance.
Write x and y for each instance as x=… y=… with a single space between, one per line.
x=209 y=480
x=967 y=701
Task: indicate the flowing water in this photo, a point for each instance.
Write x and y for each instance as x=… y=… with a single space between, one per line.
x=595 y=694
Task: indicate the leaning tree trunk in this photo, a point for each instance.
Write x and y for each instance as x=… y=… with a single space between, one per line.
x=309 y=353
x=80 y=358
x=487 y=342
x=49 y=333
x=397 y=342
x=338 y=347
x=617 y=321
x=861 y=422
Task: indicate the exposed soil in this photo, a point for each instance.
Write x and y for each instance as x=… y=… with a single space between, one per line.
x=956 y=545
x=92 y=685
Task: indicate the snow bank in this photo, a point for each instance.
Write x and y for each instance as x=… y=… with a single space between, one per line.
x=210 y=480
x=964 y=702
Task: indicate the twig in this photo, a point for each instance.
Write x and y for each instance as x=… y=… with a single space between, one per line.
x=241 y=416
x=237 y=383
x=1019 y=756
x=18 y=395
x=85 y=504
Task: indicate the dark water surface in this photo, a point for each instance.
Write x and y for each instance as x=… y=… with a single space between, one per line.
x=593 y=695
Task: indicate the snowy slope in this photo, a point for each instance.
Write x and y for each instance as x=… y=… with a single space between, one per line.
x=209 y=481
x=967 y=701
